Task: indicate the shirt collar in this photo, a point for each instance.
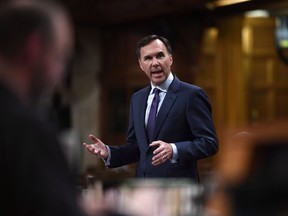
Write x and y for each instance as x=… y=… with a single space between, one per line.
x=165 y=85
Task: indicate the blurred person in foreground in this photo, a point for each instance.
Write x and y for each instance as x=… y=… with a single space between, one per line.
x=35 y=42
x=184 y=131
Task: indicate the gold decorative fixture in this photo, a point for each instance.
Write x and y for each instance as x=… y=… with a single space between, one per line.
x=221 y=3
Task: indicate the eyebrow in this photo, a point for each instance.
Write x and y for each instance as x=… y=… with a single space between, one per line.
x=160 y=53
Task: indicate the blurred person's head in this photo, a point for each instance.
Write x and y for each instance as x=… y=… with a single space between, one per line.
x=35 y=43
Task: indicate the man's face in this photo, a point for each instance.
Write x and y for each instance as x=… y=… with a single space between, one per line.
x=60 y=50
x=53 y=61
x=155 y=61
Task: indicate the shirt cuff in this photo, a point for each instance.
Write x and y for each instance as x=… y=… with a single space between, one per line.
x=107 y=161
x=174 y=158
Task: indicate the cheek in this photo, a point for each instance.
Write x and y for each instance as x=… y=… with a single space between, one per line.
x=58 y=72
x=148 y=74
x=168 y=65
x=55 y=70
x=146 y=70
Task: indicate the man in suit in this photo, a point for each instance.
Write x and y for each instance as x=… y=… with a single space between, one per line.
x=35 y=42
x=184 y=131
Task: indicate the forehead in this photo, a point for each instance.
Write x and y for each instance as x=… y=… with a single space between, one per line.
x=153 y=48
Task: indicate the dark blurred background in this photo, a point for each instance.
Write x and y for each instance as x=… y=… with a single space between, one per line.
x=235 y=50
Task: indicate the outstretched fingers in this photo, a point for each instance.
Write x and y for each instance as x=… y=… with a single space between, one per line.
x=98 y=147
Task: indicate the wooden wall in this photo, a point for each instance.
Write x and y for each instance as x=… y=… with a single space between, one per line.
x=242 y=73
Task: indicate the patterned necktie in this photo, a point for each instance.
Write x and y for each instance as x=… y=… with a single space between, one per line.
x=152 y=114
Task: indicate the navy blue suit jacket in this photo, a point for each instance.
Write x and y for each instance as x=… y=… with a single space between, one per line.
x=183 y=119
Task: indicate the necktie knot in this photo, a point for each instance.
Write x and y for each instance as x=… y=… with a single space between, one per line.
x=156 y=91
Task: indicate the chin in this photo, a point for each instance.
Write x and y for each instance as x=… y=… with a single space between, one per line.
x=158 y=81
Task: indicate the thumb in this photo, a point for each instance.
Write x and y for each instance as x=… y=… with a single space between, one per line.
x=154 y=143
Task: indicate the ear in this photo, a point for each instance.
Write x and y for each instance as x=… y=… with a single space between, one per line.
x=140 y=64
x=171 y=59
x=32 y=49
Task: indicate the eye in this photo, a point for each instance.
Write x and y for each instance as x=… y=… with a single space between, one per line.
x=147 y=58
x=160 y=55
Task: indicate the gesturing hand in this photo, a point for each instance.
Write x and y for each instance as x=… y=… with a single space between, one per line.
x=98 y=148
x=162 y=153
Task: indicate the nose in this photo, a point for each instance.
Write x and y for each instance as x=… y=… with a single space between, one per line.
x=155 y=62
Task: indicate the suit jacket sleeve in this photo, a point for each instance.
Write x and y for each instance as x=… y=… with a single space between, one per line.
x=204 y=142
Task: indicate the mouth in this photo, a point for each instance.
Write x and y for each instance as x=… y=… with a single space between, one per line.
x=156 y=72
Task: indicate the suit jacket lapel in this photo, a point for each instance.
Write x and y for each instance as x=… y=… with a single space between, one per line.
x=142 y=104
x=168 y=102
